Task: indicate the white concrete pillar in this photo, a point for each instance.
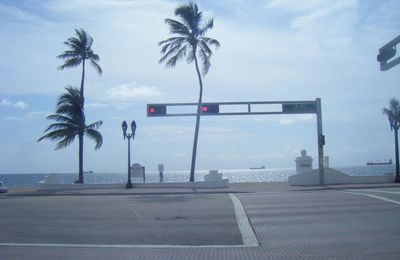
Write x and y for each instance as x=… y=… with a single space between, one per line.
x=303 y=163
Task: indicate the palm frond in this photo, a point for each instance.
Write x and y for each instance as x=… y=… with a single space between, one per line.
x=94 y=125
x=174 y=40
x=95 y=136
x=191 y=55
x=79 y=50
x=192 y=30
x=203 y=46
x=393 y=114
x=61 y=126
x=66 y=141
x=176 y=27
x=176 y=50
x=207 y=26
x=61 y=118
x=211 y=42
x=70 y=63
x=190 y=15
x=92 y=56
x=179 y=54
x=172 y=43
x=68 y=55
x=96 y=67
x=73 y=43
x=205 y=59
x=394 y=105
x=58 y=134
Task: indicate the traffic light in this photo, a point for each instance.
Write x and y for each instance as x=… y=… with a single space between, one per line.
x=156 y=110
x=210 y=109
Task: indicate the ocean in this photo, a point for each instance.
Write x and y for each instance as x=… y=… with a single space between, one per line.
x=234 y=175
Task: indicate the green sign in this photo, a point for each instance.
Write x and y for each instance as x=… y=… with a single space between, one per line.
x=299 y=108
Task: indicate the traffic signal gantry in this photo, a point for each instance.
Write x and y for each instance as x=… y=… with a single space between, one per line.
x=386 y=54
x=247 y=108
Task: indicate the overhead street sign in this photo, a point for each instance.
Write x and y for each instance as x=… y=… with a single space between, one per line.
x=247 y=108
x=386 y=54
x=305 y=108
x=233 y=108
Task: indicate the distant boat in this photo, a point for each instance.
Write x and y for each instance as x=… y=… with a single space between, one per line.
x=388 y=162
x=88 y=172
x=257 y=168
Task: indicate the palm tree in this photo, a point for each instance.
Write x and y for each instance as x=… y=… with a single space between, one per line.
x=70 y=122
x=393 y=113
x=191 y=43
x=80 y=51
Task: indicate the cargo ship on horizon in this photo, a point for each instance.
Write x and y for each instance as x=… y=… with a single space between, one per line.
x=388 y=162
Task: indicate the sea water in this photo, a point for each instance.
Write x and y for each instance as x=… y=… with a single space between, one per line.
x=234 y=175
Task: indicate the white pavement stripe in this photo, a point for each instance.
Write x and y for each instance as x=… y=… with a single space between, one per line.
x=118 y=246
x=248 y=236
x=373 y=196
x=382 y=191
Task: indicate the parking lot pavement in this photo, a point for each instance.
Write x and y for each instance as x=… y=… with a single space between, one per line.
x=323 y=224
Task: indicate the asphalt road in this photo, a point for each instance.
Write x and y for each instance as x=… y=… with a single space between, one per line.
x=120 y=220
x=322 y=224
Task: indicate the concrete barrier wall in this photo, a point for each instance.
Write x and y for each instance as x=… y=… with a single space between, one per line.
x=44 y=186
x=205 y=185
x=333 y=176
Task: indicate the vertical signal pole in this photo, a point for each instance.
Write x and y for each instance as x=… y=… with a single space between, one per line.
x=321 y=143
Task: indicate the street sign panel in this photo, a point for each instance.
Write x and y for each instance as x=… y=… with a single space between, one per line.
x=301 y=108
x=386 y=54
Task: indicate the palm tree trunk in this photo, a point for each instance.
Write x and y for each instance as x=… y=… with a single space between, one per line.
x=396 y=147
x=196 y=131
x=83 y=85
x=80 y=179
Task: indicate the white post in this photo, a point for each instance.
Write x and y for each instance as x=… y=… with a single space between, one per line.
x=321 y=143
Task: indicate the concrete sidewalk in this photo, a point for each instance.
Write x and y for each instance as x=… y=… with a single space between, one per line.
x=247 y=187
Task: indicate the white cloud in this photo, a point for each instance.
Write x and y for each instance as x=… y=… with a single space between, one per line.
x=296 y=6
x=132 y=91
x=329 y=23
x=96 y=105
x=79 y=5
x=164 y=130
x=39 y=115
x=20 y=104
x=297 y=119
x=337 y=16
x=7 y=103
x=17 y=14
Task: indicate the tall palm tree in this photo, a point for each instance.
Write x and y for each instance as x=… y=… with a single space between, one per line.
x=70 y=122
x=191 y=43
x=79 y=52
x=393 y=113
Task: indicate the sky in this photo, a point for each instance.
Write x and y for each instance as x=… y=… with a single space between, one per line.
x=271 y=50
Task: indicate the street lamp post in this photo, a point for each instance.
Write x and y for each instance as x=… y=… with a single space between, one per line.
x=129 y=136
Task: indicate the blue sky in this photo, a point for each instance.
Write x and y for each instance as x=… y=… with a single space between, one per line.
x=270 y=50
